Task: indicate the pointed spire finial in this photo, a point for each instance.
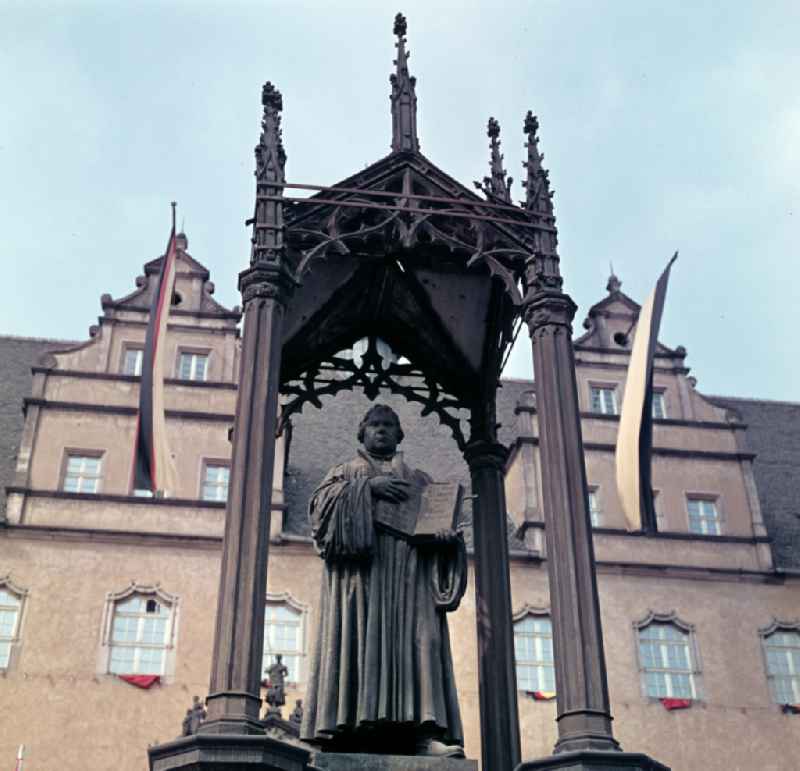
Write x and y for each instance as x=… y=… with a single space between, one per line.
x=270 y=175
x=538 y=196
x=403 y=98
x=270 y=148
x=497 y=187
x=614 y=284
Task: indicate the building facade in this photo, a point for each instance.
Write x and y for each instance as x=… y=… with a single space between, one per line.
x=108 y=596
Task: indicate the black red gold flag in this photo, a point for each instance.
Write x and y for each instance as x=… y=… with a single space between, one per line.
x=152 y=463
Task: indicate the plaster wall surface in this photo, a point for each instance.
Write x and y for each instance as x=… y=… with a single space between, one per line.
x=61 y=661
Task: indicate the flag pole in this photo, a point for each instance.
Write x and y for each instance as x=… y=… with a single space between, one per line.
x=20 y=753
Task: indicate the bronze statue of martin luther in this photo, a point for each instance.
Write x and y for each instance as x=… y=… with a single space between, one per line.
x=381 y=675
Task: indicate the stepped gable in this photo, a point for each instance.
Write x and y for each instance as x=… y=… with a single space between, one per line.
x=611 y=324
x=17 y=356
x=773 y=433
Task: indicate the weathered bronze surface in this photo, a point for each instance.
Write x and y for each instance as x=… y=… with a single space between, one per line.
x=381 y=674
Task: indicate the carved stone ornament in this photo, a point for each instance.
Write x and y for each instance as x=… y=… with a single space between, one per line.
x=548 y=310
x=483 y=454
x=265 y=282
x=373 y=373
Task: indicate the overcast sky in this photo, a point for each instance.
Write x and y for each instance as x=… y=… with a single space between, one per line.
x=665 y=125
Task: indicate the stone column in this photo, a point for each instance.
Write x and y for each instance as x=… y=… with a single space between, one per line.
x=234 y=693
x=584 y=719
x=497 y=684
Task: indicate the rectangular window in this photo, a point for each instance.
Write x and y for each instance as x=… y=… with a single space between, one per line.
x=782 y=652
x=132 y=361
x=533 y=653
x=283 y=633
x=140 y=632
x=192 y=366
x=660 y=521
x=9 y=618
x=666 y=658
x=659 y=409
x=594 y=507
x=604 y=400
x=82 y=473
x=703 y=516
x=215 y=482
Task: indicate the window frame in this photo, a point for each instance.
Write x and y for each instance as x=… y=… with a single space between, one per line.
x=605 y=386
x=192 y=351
x=706 y=498
x=286 y=598
x=593 y=493
x=696 y=668
x=82 y=452
x=15 y=640
x=206 y=463
x=126 y=348
x=661 y=517
x=536 y=612
x=661 y=393
x=776 y=625
x=150 y=591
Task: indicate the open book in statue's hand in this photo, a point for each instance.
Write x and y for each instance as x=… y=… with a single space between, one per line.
x=430 y=508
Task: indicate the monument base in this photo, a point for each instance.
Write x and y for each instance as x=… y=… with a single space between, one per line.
x=244 y=752
x=227 y=752
x=347 y=761
x=594 y=760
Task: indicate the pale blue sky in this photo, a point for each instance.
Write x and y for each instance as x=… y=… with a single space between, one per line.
x=665 y=125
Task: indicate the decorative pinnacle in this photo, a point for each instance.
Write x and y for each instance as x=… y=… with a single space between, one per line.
x=270 y=148
x=267 y=237
x=403 y=97
x=497 y=187
x=538 y=198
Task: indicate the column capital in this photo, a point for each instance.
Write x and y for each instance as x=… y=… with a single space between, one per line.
x=268 y=280
x=549 y=309
x=482 y=453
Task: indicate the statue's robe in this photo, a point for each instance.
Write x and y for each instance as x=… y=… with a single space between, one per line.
x=383 y=648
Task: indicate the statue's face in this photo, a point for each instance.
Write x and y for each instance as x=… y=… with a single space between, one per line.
x=381 y=433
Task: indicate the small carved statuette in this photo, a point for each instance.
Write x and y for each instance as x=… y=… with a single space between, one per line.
x=194 y=717
x=276 y=688
x=296 y=718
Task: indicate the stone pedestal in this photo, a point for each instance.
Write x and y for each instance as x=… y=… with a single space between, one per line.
x=245 y=752
x=227 y=752
x=594 y=760
x=334 y=761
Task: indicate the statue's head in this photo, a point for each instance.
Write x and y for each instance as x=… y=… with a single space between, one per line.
x=379 y=430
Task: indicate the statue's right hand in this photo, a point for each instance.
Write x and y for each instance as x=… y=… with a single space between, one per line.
x=390 y=488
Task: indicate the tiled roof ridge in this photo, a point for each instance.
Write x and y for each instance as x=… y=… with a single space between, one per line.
x=26 y=339
x=751 y=400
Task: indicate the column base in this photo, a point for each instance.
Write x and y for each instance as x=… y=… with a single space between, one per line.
x=593 y=760
x=347 y=761
x=227 y=752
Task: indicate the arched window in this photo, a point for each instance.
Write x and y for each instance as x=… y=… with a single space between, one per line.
x=667 y=656
x=140 y=630
x=284 y=633
x=533 y=650
x=12 y=598
x=781 y=645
